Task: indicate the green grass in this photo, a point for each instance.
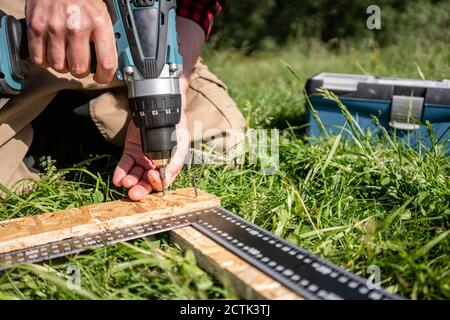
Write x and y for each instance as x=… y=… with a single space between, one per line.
x=357 y=203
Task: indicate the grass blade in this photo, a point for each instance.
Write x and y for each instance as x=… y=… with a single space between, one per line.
x=427 y=247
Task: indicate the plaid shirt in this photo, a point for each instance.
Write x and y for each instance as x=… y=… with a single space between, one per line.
x=201 y=12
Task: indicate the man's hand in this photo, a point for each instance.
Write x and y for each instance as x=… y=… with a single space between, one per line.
x=138 y=173
x=60 y=33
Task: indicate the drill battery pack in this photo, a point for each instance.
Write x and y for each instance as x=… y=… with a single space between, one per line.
x=415 y=111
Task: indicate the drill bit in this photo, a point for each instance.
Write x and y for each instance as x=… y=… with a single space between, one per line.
x=161 y=163
x=162 y=173
x=194 y=184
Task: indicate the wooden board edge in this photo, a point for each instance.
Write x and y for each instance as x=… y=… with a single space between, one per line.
x=243 y=279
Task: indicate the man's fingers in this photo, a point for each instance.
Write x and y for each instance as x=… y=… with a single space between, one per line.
x=154 y=178
x=105 y=49
x=122 y=169
x=172 y=171
x=56 y=48
x=176 y=163
x=133 y=177
x=37 y=40
x=78 y=53
x=139 y=191
x=173 y=168
x=37 y=46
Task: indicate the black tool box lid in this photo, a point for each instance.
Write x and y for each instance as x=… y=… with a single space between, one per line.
x=378 y=88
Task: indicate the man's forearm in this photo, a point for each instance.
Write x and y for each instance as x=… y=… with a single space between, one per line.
x=192 y=38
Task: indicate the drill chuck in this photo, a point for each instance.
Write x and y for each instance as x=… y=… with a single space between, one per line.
x=158 y=143
x=156 y=116
x=154 y=111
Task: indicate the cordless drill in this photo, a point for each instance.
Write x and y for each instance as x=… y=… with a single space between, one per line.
x=148 y=61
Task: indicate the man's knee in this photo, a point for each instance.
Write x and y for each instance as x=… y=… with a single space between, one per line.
x=110 y=113
x=12 y=153
x=213 y=116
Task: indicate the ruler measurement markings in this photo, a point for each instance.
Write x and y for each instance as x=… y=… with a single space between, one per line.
x=311 y=265
x=76 y=245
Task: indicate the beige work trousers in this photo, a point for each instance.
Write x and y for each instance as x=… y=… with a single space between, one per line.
x=209 y=107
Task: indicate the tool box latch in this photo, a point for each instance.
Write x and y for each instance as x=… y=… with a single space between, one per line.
x=406 y=112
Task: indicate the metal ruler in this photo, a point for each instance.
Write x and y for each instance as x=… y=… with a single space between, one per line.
x=299 y=270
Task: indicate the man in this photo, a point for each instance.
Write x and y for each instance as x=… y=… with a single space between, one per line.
x=59 y=47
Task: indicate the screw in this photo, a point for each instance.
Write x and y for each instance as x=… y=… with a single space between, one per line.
x=194 y=184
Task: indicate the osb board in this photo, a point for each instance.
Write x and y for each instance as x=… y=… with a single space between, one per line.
x=49 y=227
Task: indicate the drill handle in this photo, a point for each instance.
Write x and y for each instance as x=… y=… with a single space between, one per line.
x=22 y=38
x=13 y=52
x=17 y=41
x=145 y=33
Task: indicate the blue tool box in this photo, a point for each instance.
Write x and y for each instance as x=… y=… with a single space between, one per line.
x=402 y=106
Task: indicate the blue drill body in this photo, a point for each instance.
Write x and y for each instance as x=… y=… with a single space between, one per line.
x=123 y=45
